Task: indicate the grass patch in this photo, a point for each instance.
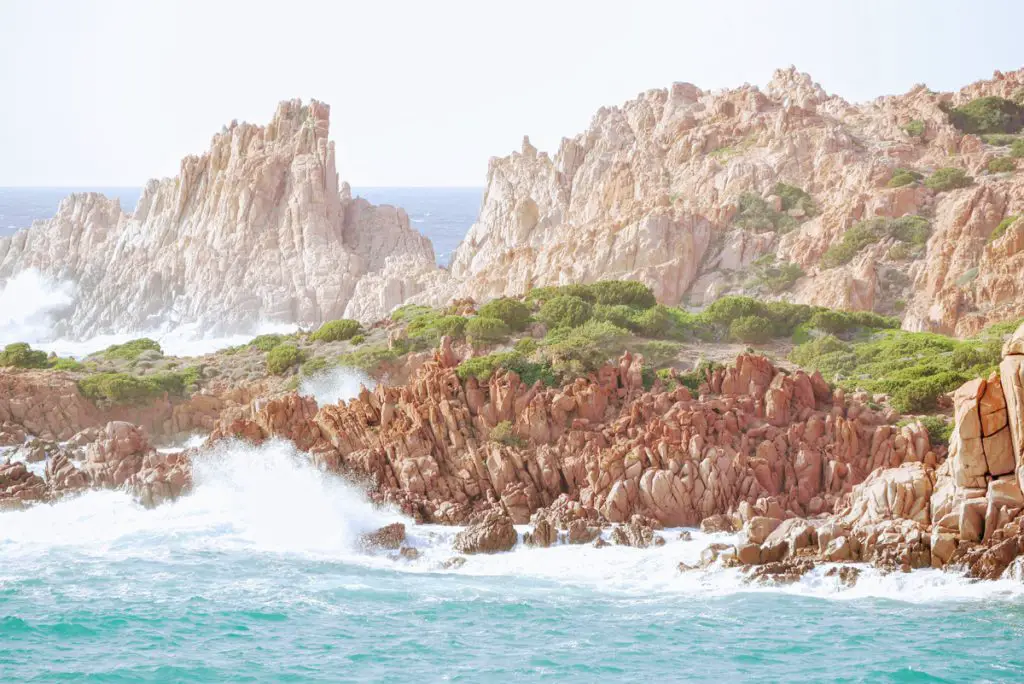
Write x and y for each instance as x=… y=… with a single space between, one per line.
x=122 y=388
x=948 y=178
x=505 y=433
x=369 y=359
x=775 y=276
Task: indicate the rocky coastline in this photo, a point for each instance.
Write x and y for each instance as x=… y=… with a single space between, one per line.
x=800 y=472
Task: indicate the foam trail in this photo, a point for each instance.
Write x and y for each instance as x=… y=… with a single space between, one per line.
x=270 y=500
x=336 y=384
x=30 y=302
x=265 y=499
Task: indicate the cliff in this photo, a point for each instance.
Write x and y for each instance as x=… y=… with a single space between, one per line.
x=679 y=189
x=256 y=229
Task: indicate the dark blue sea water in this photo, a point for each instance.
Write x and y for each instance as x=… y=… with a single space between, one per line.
x=442 y=214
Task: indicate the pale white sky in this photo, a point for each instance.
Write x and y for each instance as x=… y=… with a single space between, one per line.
x=104 y=93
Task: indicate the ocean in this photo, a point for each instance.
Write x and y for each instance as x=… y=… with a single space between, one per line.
x=442 y=214
x=258 y=575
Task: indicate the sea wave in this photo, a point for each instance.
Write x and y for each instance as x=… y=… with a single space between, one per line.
x=270 y=499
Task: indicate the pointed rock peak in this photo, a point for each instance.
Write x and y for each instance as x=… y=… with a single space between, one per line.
x=797 y=86
x=528 y=151
x=292 y=115
x=685 y=93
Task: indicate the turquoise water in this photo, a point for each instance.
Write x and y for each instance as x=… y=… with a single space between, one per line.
x=257 y=576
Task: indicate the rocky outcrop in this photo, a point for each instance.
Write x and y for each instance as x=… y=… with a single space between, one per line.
x=492 y=534
x=257 y=228
x=651 y=191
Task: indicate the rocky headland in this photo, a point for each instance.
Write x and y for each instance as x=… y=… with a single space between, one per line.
x=497 y=427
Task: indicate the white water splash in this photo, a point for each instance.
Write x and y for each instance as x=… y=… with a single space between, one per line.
x=271 y=500
x=336 y=384
x=30 y=304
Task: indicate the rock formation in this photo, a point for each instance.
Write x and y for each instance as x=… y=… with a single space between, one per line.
x=256 y=229
x=652 y=189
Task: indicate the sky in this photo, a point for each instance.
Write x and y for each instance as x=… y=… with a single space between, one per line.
x=114 y=92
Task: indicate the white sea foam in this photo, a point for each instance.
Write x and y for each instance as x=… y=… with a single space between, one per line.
x=336 y=384
x=31 y=305
x=270 y=499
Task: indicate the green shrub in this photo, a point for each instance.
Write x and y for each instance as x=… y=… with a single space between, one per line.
x=512 y=312
x=266 y=342
x=939 y=428
x=622 y=292
x=64 y=365
x=999 y=139
x=368 y=359
x=357 y=340
x=426 y=329
x=1001 y=165
x=409 y=312
x=130 y=351
x=1003 y=226
x=21 y=355
x=698 y=375
x=120 y=388
x=913 y=230
x=483 y=367
x=315 y=365
x=756 y=215
x=841 y=322
x=751 y=330
x=281 y=358
x=585 y=348
x=565 y=311
x=658 y=353
x=775 y=276
x=1017 y=149
x=988 y=115
x=526 y=346
x=901 y=177
x=948 y=178
x=336 y=331
x=539 y=295
x=967 y=277
x=484 y=330
x=727 y=309
x=914 y=128
x=505 y=433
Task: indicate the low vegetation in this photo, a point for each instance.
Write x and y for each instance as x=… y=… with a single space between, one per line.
x=911 y=230
x=914 y=369
x=902 y=177
x=988 y=115
x=483 y=330
x=1002 y=165
x=21 y=355
x=266 y=342
x=794 y=198
x=505 y=433
x=1003 y=226
x=914 y=128
x=130 y=351
x=282 y=358
x=120 y=388
x=774 y=276
x=948 y=178
x=512 y=312
x=336 y=331
x=756 y=215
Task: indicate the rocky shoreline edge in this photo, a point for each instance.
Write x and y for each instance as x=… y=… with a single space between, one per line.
x=802 y=473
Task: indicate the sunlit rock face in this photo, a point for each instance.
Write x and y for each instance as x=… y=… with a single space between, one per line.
x=256 y=229
x=652 y=189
